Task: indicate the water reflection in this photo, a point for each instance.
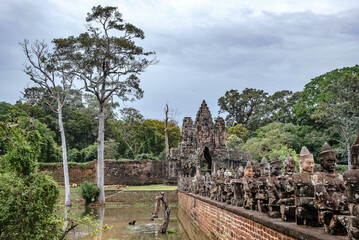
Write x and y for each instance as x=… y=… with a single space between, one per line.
x=119 y=217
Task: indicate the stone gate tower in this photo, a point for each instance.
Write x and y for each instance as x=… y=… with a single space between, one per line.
x=203 y=138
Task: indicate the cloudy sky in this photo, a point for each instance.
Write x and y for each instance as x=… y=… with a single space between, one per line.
x=205 y=47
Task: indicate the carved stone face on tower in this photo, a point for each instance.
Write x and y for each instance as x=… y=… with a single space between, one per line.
x=306 y=161
x=328 y=161
x=275 y=167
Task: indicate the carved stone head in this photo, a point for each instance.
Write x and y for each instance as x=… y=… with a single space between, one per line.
x=248 y=171
x=256 y=169
x=240 y=172
x=355 y=153
x=328 y=161
x=275 y=167
x=290 y=166
x=306 y=161
x=265 y=168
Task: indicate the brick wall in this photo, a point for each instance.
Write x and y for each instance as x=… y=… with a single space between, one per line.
x=224 y=222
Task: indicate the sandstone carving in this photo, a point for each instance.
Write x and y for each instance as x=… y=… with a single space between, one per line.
x=351 y=180
x=329 y=195
x=306 y=213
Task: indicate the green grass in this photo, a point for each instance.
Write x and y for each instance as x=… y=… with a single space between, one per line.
x=74 y=192
x=149 y=187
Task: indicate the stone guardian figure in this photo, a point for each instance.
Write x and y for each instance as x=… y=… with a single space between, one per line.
x=351 y=180
x=305 y=212
x=329 y=196
x=273 y=188
x=286 y=190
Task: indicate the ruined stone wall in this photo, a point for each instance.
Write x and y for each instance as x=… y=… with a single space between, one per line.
x=220 y=221
x=78 y=173
x=116 y=172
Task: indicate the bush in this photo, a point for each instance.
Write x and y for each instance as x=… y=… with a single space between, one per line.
x=89 y=191
x=27 y=207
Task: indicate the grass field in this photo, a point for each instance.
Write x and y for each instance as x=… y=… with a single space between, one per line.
x=75 y=192
x=150 y=187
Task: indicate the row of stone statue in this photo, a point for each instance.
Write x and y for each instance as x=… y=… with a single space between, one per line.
x=310 y=198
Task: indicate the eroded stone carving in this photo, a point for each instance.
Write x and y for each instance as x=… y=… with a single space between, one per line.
x=286 y=190
x=306 y=213
x=329 y=195
x=351 y=180
x=273 y=188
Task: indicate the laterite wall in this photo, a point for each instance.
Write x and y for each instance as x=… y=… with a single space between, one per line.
x=116 y=172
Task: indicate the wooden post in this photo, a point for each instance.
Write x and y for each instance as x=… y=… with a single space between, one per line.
x=157 y=208
x=166 y=212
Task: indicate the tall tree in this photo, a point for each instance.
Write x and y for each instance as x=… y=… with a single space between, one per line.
x=108 y=64
x=243 y=107
x=339 y=110
x=166 y=133
x=315 y=92
x=47 y=71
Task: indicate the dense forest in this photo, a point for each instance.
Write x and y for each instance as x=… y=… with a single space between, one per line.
x=129 y=136
x=257 y=122
x=326 y=110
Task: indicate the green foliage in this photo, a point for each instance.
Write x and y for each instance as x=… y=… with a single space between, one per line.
x=22 y=148
x=255 y=108
x=89 y=191
x=171 y=231
x=239 y=130
x=233 y=142
x=272 y=137
x=27 y=202
x=243 y=107
x=85 y=155
x=316 y=91
x=27 y=207
x=283 y=153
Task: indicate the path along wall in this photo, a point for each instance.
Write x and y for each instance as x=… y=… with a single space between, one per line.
x=116 y=172
x=220 y=221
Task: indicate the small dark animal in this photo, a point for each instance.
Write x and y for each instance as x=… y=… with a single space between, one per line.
x=132 y=222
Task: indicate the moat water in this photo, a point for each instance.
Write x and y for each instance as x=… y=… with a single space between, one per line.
x=119 y=217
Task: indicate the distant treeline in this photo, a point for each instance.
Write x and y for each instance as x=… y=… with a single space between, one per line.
x=131 y=136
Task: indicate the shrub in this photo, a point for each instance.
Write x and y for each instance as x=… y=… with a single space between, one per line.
x=89 y=191
x=27 y=207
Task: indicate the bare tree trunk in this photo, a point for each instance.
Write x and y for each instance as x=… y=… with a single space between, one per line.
x=349 y=154
x=166 y=133
x=157 y=207
x=166 y=213
x=100 y=154
x=64 y=157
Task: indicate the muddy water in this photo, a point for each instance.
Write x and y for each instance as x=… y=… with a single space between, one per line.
x=119 y=216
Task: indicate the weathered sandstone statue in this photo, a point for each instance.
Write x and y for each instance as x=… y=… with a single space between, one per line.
x=237 y=186
x=329 y=195
x=273 y=188
x=248 y=198
x=286 y=190
x=351 y=180
x=261 y=196
x=305 y=212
